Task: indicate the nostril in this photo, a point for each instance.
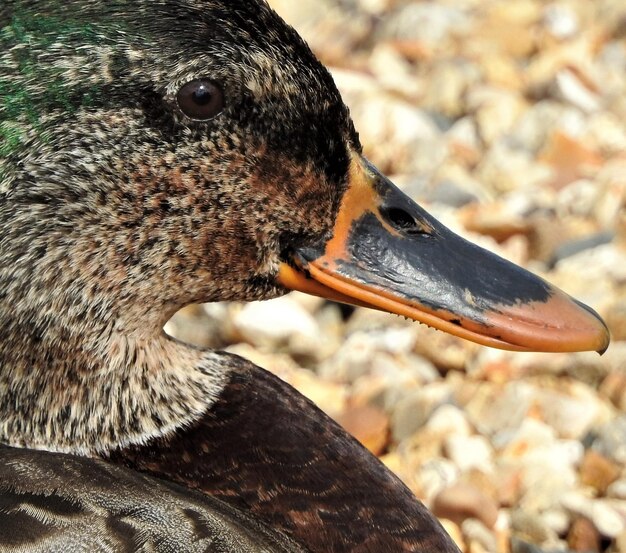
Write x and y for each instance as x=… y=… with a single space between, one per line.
x=402 y=220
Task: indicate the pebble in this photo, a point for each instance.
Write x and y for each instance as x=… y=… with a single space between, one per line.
x=610 y=440
x=367 y=424
x=608 y=520
x=462 y=501
x=479 y=536
x=598 y=472
x=434 y=476
x=532 y=528
x=277 y=322
x=449 y=420
x=583 y=536
x=414 y=410
x=617 y=489
x=468 y=452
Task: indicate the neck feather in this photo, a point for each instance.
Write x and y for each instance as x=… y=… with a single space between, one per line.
x=69 y=394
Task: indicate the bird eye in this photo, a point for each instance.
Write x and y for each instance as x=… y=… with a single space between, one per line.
x=201 y=99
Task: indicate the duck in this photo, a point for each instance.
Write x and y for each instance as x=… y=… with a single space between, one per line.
x=160 y=153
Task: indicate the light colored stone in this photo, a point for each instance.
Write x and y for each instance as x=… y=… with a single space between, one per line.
x=432 y=24
x=434 y=476
x=532 y=528
x=415 y=409
x=504 y=169
x=561 y=20
x=275 y=322
x=449 y=420
x=529 y=435
x=468 y=452
x=569 y=87
x=454 y=532
x=495 y=110
x=617 y=489
x=475 y=532
x=610 y=440
x=572 y=414
x=494 y=410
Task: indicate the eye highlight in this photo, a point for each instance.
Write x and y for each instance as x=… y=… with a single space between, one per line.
x=201 y=99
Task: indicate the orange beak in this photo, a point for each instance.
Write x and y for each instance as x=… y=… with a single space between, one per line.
x=387 y=253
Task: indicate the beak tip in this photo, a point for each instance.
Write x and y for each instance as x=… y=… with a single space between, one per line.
x=605 y=342
x=603 y=332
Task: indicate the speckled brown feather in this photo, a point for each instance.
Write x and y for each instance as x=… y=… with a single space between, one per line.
x=117 y=210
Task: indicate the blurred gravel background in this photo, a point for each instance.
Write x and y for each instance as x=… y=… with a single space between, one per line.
x=506 y=120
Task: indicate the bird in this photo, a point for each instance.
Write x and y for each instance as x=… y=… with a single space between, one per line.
x=159 y=153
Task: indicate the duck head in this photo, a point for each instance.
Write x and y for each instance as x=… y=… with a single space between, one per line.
x=166 y=152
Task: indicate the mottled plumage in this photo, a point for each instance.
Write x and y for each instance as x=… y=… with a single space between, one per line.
x=139 y=211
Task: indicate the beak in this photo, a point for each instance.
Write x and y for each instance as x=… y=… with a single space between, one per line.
x=387 y=253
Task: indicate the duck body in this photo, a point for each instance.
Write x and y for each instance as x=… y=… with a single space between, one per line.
x=159 y=153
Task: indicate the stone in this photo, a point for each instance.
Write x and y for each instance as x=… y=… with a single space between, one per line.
x=414 y=410
x=543 y=119
x=276 y=322
x=495 y=410
x=531 y=528
x=447 y=85
x=583 y=536
x=508 y=28
x=193 y=325
x=477 y=534
x=569 y=88
x=432 y=24
x=617 y=489
x=609 y=522
x=367 y=424
x=521 y=546
x=468 y=452
x=495 y=220
x=598 y=472
x=620 y=543
x=569 y=157
x=504 y=169
x=560 y=20
x=434 y=476
x=331 y=397
x=462 y=501
x=449 y=420
x=610 y=440
x=495 y=110
x=571 y=413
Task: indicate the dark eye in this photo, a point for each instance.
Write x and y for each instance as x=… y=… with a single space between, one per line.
x=201 y=99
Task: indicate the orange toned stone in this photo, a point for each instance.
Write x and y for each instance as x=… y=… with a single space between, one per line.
x=583 y=536
x=569 y=158
x=462 y=501
x=614 y=387
x=598 y=472
x=367 y=424
x=493 y=220
x=413 y=50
